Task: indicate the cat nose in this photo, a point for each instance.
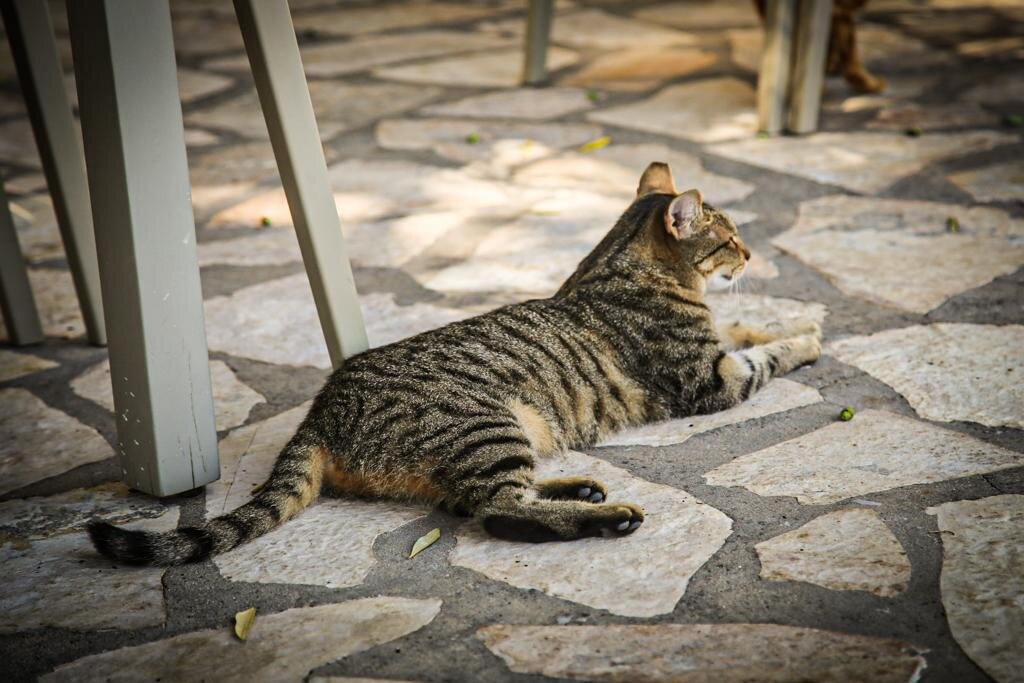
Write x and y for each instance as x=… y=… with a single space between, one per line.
x=746 y=252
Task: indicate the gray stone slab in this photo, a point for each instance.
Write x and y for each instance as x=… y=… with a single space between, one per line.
x=983 y=580
x=282 y=646
x=639 y=69
x=355 y=20
x=998 y=89
x=680 y=533
x=850 y=549
x=600 y=30
x=903 y=117
x=876 y=451
x=533 y=104
x=701 y=653
x=871 y=248
x=947 y=371
x=493 y=69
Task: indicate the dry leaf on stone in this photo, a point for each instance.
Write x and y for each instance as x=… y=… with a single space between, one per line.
x=243 y=622
x=425 y=541
x=594 y=145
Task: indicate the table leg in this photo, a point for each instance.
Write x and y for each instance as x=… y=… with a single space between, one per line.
x=538 y=34
x=16 y=302
x=145 y=234
x=284 y=97
x=773 y=77
x=814 y=27
x=30 y=33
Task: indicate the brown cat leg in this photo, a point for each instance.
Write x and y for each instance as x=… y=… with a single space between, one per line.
x=738 y=335
x=744 y=372
x=538 y=520
x=843 y=56
x=583 y=489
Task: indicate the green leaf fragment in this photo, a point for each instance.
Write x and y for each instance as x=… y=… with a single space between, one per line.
x=914 y=132
x=243 y=622
x=596 y=144
x=1013 y=120
x=953 y=224
x=593 y=95
x=265 y=221
x=846 y=415
x=472 y=138
x=425 y=541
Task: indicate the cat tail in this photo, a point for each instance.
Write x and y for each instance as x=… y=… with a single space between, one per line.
x=292 y=486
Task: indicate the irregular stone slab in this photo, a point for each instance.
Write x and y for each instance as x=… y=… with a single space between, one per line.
x=680 y=533
x=932 y=117
x=349 y=679
x=534 y=104
x=36 y=223
x=862 y=162
x=947 y=371
x=281 y=647
x=367 y=190
x=331 y=544
x=701 y=15
x=17 y=146
x=231 y=398
x=994 y=183
x=61 y=582
x=338 y=107
x=745 y=45
x=276 y=322
x=202 y=35
x=900 y=90
x=338 y=59
x=1000 y=89
x=983 y=580
x=848 y=549
x=516 y=142
x=780 y=395
x=493 y=69
x=37 y=441
x=226 y=174
x=192 y=85
x=709 y=110
x=871 y=248
x=370 y=19
x=701 y=653
x=763 y=311
x=1010 y=47
x=599 y=30
x=641 y=69
x=615 y=170
x=876 y=451
x=14 y=364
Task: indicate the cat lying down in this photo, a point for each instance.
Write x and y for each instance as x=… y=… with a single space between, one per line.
x=458 y=416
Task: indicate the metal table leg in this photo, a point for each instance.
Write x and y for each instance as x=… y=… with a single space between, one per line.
x=16 y=302
x=814 y=26
x=773 y=77
x=538 y=34
x=30 y=33
x=284 y=97
x=145 y=232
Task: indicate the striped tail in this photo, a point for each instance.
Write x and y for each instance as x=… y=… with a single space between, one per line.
x=293 y=485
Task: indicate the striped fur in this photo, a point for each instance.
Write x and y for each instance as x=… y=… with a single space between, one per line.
x=459 y=415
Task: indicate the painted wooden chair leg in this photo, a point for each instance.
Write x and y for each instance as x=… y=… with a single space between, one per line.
x=30 y=33
x=138 y=182
x=773 y=77
x=284 y=97
x=538 y=34
x=16 y=303
x=814 y=25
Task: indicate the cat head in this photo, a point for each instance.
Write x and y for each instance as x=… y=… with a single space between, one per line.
x=691 y=233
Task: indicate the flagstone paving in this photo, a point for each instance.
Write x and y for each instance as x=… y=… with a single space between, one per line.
x=780 y=542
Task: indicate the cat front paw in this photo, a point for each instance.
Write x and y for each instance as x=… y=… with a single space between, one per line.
x=807 y=348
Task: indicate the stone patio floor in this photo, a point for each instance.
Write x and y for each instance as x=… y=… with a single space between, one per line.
x=781 y=543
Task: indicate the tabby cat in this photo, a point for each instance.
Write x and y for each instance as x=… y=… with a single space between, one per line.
x=458 y=416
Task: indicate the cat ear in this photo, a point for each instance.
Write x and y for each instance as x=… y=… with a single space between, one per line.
x=683 y=214
x=657 y=178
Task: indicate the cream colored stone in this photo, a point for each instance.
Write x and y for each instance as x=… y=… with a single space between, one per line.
x=338 y=107
x=615 y=171
x=281 y=647
x=232 y=400
x=534 y=104
x=60 y=582
x=54 y=294
x=875 y=451
x=983 y=580
x=276 y=322
x=708 y=14
x=192 y=85
x=745 y=45
x=863 y=162
x=600 y=30
x=947 y=371
x=701 y=653
x=330 y=544
x=849 y=549
x=996 y=183
x=38 y=235
x=513 y=143
x=709 y=110
x=637 y=69
x=780 y=395
x=371 y=19
x=1009 y=47
x=14 y=364
x=902 y=117
x=495 y=68
x=37 y=441
x=680 y=533
x=873 y=248
x=760 y=310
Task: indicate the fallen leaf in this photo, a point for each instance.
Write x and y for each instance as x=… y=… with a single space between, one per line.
x=425 y=541
x=597 y=144
x=243 y=622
